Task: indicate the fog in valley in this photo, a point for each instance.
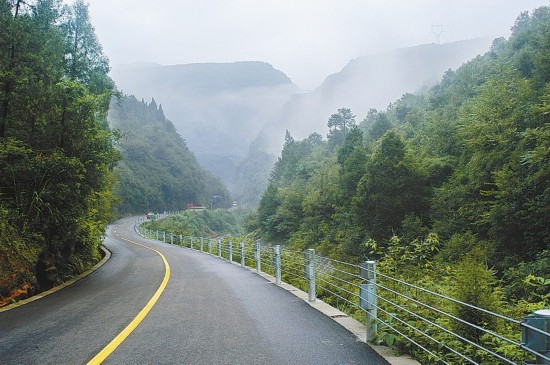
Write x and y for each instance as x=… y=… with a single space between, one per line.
x=217 y=108
x=307 y=39
x=233 y=76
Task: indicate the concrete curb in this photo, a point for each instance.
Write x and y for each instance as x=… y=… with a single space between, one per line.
x=61 y=286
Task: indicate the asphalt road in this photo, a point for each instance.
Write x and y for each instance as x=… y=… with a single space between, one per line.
x=211 y=312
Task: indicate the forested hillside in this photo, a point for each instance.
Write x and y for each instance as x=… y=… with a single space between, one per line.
x=372 y=81
x=158 y=172
x=218 y=107
x=451 y=181
x=56 y=150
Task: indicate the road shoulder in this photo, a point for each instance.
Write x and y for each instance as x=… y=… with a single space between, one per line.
x=355 y=327
x=105 y=258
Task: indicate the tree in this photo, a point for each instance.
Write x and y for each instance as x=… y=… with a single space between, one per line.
x=295 y=162
x=31 y=61
x=339 y=124
x=57 y=151
x=269 y=204
x=352 y=158
x=285 y=166
x=380 y=126
x=158 y=176
x=475 y=284
x=84 y=55
x=389 y=190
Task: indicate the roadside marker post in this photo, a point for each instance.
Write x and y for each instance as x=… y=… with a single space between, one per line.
x=277 y=252
x=309 y=263
x=242 y=255
x=258 y=257
x=368 y=299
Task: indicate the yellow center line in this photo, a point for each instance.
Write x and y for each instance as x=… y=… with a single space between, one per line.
x=108 y=350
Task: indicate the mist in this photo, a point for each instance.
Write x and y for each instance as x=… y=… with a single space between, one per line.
x=354 y=54
x=368 y=82
x=217 y=108
x=307 y=39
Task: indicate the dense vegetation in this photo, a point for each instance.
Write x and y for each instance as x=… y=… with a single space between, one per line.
x=158 y=172
x=365 y=82
x=450 y=185
x=56 y=150
x=209 y=223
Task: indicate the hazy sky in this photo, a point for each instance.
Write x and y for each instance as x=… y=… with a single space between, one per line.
x=306 y=39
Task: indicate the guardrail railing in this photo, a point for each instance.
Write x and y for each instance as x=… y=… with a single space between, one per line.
x=393 y=310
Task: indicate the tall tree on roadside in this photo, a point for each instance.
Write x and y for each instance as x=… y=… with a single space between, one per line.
x=56 y=150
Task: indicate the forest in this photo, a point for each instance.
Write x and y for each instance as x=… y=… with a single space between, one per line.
x=56 y=149
x=448 y=189
x=158 y=171
x=445 y=182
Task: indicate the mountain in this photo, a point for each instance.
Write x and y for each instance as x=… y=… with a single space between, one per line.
x=218 y=107
x=158 y=171
x=447 y=188
x=367 y=82
x=372 y=81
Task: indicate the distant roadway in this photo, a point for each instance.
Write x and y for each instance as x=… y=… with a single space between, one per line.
x=208 y=312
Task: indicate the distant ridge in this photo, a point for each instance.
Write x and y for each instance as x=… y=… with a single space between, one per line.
x=372 y=81
x=129 y=66
x=218 y=108
x=233 y=116
x=158 y=172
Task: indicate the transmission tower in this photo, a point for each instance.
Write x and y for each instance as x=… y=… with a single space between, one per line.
x=437 y=30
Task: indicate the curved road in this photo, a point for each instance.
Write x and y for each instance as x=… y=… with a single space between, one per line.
x=211 y=312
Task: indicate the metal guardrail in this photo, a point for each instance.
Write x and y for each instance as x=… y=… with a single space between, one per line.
x=392 y=309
